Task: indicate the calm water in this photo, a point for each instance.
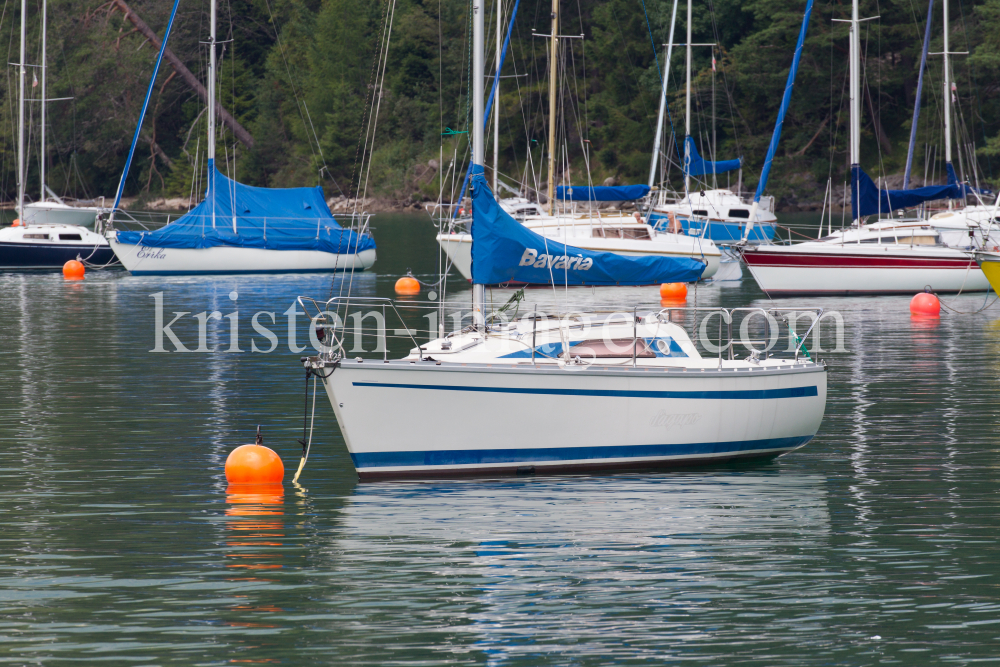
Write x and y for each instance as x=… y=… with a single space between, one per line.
x=876 y=544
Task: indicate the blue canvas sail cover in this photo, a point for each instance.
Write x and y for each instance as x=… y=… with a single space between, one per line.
x=249 y=217
x=504 y=251
x=868 y=199
x=696 y=165
x=601 y=192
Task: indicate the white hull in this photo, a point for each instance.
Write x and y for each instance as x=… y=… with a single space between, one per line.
x=458 y=248
x=823 y=268
x=592 y=418
x=142 y=260
x=54 y=213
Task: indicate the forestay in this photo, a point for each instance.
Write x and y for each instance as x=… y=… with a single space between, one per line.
x=242 y=216
x=505 y=251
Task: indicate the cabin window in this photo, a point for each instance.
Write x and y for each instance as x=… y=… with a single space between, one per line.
x=616 y=348
x=702 y=212
x=70 y=237
x=739 y=213
x=40 y=237
x=904 y=240
x=637 y=233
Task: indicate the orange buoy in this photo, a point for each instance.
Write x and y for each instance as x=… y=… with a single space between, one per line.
x=73 y=270
x=407 y=285
x=673 y=291
x=925 y=304
x=254 y=464
x=16 y=223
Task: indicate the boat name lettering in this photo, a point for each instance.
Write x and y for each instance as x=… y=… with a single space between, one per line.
x=150 y=253
x=531 y=257
x=670 y=420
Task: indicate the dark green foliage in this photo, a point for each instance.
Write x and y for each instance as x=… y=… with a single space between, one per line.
x=305 y=84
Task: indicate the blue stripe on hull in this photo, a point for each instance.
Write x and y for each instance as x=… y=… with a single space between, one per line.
x=16 y=256
x=557 y=455
x=738 y=394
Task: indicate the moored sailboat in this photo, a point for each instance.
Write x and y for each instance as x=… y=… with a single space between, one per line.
x=876 y=260
x=41 y=240
x=632 y=393
x=238 y=228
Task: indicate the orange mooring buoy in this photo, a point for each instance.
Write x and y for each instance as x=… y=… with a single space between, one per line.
x=925 y=304
x=673 y=291
x=254 y=464
x=73 y=270
x=407 y=285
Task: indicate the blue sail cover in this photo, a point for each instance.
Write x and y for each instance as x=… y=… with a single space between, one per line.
x=868 y=199
x=505 y=251
x=249 y=217
x=695 y=165
x=601 y=192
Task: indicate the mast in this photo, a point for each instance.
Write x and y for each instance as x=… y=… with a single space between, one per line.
x=41 y=161
x=663 y=100
x=496 y=106
x=553 y=50
x=715 y=178
x=211 y=111
x=20 y=119
x=687 y=110
x=947 y=95
x=478 y=74
x=855 y=56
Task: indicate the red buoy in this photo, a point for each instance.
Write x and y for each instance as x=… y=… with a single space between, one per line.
x=73 y=270
x=673 y=291
x=925 y=304
x=407 y=285
x=254 y=464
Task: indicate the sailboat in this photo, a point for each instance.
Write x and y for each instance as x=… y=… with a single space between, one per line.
x=590 y=228
x=577 y=393
x=714 y=213
x=47 y=234
x=238 y=228
x=871 y=260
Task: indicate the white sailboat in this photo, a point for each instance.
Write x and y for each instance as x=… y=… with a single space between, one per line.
x=879 y=259
x=578 y=393
x=588 y=228
x=718 y=214
x=243 y=229
x=48 y=234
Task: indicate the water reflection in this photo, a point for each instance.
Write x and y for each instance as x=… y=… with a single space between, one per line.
x=252 y=534
x=528 y=561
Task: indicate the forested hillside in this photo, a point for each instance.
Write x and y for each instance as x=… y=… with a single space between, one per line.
x=299 y=76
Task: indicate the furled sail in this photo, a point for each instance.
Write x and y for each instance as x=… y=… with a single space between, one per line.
x=242 y=216
x=601 y=192
x=696 y=165
x=868 y=199
x=505 y=251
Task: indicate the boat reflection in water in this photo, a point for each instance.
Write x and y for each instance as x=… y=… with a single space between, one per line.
x=531 y=564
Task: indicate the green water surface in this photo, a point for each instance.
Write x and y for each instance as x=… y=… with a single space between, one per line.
x=119 y=544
